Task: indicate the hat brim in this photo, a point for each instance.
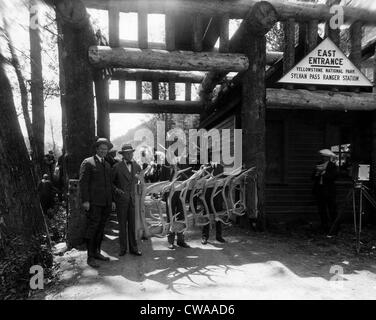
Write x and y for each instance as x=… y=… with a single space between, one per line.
x=108 y=144
x=327 y=154
x=125 y=151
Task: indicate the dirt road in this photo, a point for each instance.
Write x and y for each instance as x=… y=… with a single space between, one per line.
x=249 y=266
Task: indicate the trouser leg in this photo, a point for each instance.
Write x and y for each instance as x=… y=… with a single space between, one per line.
x=106 y=211
x=332 y=210
x=180 y=237
x=170 y=234
x=322 y=208
x=93 y=224
x=132 y=228
x=122 y=223
x=218 y=229
x=205 y=231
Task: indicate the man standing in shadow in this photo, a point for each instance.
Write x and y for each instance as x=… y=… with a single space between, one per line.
x=124 y=179
x=324 y=188
x=96 y=197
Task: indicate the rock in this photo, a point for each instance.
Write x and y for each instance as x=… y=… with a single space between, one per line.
x=59 y=249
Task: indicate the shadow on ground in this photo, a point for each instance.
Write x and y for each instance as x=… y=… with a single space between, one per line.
x=283 y=264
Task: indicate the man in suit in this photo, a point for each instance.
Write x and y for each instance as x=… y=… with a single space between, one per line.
x=124 y=179
x=97 y=198
x=167 y=174
x=216 y=169
x=324 y=188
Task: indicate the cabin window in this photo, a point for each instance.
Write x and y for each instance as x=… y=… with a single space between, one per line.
x=343 y=152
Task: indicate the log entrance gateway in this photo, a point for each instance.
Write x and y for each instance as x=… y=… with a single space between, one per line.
x=285 y=120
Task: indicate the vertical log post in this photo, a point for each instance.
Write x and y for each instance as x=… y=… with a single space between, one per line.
x=171 y=91
x=103 y=114
x=77 y=37
x=77 y=220
x=333 y=34
x=311 y=42
x=121 y=89
x=356 y=45
x=142 y=29
x=113 y=25
x=373 y=152
x=170 y=32
x=188 y=91
x=197 y=33
x=102 y=85
x=262 y=17
x=224 y=40
x=289 y=56
x=303 y=29
x=139 y=89
x=155 y=90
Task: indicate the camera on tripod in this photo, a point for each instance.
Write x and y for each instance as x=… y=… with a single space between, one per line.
x=362 y=175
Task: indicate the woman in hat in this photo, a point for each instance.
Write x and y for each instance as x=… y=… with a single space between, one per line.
x=324 y=188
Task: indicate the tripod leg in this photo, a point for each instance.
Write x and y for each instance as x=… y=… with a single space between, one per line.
x=360 y=220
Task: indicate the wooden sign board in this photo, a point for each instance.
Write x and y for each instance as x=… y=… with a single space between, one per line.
x=326 y=65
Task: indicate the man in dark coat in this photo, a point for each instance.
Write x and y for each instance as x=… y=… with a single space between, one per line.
x=124 y=179
x=46 y=193
x=216 y=169
x=97 y=198
x=324 y=188
x=167 y=173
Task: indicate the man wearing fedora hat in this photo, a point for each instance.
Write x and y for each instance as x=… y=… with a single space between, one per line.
x=97 y=198
x=324 y=189
x=124 y=179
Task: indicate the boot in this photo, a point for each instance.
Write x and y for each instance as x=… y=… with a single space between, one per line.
x=181 y=242
x=91 y=253
x=98 y=254
x=171 y=240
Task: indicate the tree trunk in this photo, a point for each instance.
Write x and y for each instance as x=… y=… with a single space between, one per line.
x=76 y=37
x=19 y=202
x=37 y=100
x=24 y=100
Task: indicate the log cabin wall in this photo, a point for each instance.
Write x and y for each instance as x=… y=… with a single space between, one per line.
x=293 y=139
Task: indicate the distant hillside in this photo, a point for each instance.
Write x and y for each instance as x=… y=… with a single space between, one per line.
x=183 y=121
x=129 y=136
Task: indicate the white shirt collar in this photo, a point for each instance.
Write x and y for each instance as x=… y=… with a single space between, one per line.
x=99 y=158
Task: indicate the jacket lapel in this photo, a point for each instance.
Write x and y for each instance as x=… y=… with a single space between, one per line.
x=124 y=170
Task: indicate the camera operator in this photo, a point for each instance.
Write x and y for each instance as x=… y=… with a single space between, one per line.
x=324 y=188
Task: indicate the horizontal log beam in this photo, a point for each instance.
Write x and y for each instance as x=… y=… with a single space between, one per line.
x=237 y=9
x=320 y=100
x=101 y=57
x=157 y=75
x=155 y=106
x=300 y=99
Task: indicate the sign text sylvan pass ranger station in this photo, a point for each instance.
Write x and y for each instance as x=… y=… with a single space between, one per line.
x=326 y=65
